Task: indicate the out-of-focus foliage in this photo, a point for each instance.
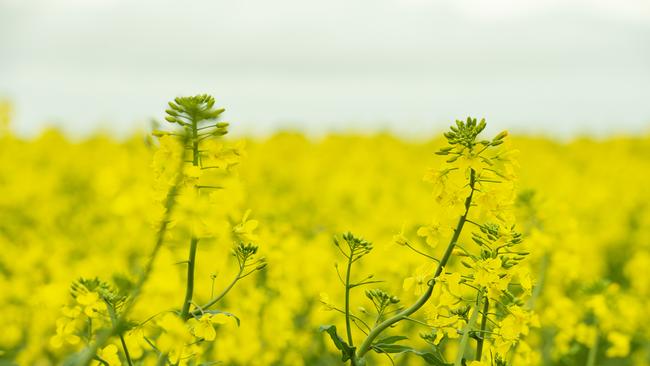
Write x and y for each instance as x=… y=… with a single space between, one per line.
x=72 y=209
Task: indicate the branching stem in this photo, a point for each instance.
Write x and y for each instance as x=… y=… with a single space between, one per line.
x=222 y=294
x=377 y=330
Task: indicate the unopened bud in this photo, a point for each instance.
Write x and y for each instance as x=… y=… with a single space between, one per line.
x=500 y=136
x=159 y=133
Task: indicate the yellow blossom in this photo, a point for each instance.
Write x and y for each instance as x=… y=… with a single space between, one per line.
x=419 y=281
x=244 y=230
x=619 y=344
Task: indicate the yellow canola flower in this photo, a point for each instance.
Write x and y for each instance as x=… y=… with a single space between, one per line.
x=469 y=159
x=400 y=238
x=136 y=343
x=586 y=335
x=91 y=303
x=517 y=323
x=487 y=272
x=436 y=232
x=244 y=229
x=525 y=279
x=452 y=281
x=477 y=363
x=619 y=344
x=203 y=327
x=66 y=333
x=193 y=173
x=175 y=335
x=452 y=202
x=419 y=281
x=109 y=354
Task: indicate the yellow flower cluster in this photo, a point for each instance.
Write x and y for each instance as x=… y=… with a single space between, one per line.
x=84 y=209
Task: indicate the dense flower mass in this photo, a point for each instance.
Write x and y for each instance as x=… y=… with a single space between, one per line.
x=549 y=269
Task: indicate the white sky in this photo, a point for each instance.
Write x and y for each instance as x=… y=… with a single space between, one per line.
x=562 y=67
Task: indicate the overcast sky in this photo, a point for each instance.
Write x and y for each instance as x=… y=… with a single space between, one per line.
x=562 y=67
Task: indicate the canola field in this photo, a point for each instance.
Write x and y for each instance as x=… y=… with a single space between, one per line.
x=194 y=248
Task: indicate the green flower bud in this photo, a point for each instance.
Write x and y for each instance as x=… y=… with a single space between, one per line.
x=500 y=136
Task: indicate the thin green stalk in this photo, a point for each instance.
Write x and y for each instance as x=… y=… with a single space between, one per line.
x=468 y=327
x=126 y=351
x=348 y=328
x=421 y=253
x=376 y=331
x=191 y=261
x=481 y=336
x=113 y=316
x=189 y=289
x=162 y=360
x=593 y=353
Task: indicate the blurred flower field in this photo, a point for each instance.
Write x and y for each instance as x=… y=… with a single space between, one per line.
x=86 y=209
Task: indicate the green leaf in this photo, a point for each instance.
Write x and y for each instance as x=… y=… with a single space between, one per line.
x=428 y=357
x=346 y=351
x=431 y=359
x=391 y=339
x=391 y=348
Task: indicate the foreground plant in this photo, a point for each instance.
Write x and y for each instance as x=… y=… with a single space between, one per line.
x=99 y=315
x=482 y=300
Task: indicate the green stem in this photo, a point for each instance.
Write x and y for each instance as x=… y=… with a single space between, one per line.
x=421 y=253
x=348 y=327
x=481 y=336
x=191 y=261
x=162 y=360
x=593 y=352
x=126 y=351
x=376 y=331
x=189 y=289
x=468 y=327
x=220 y=296
x=113 y=315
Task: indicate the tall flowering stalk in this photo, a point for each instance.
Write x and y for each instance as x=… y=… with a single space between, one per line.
x=474 y=187
x=99 y=315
